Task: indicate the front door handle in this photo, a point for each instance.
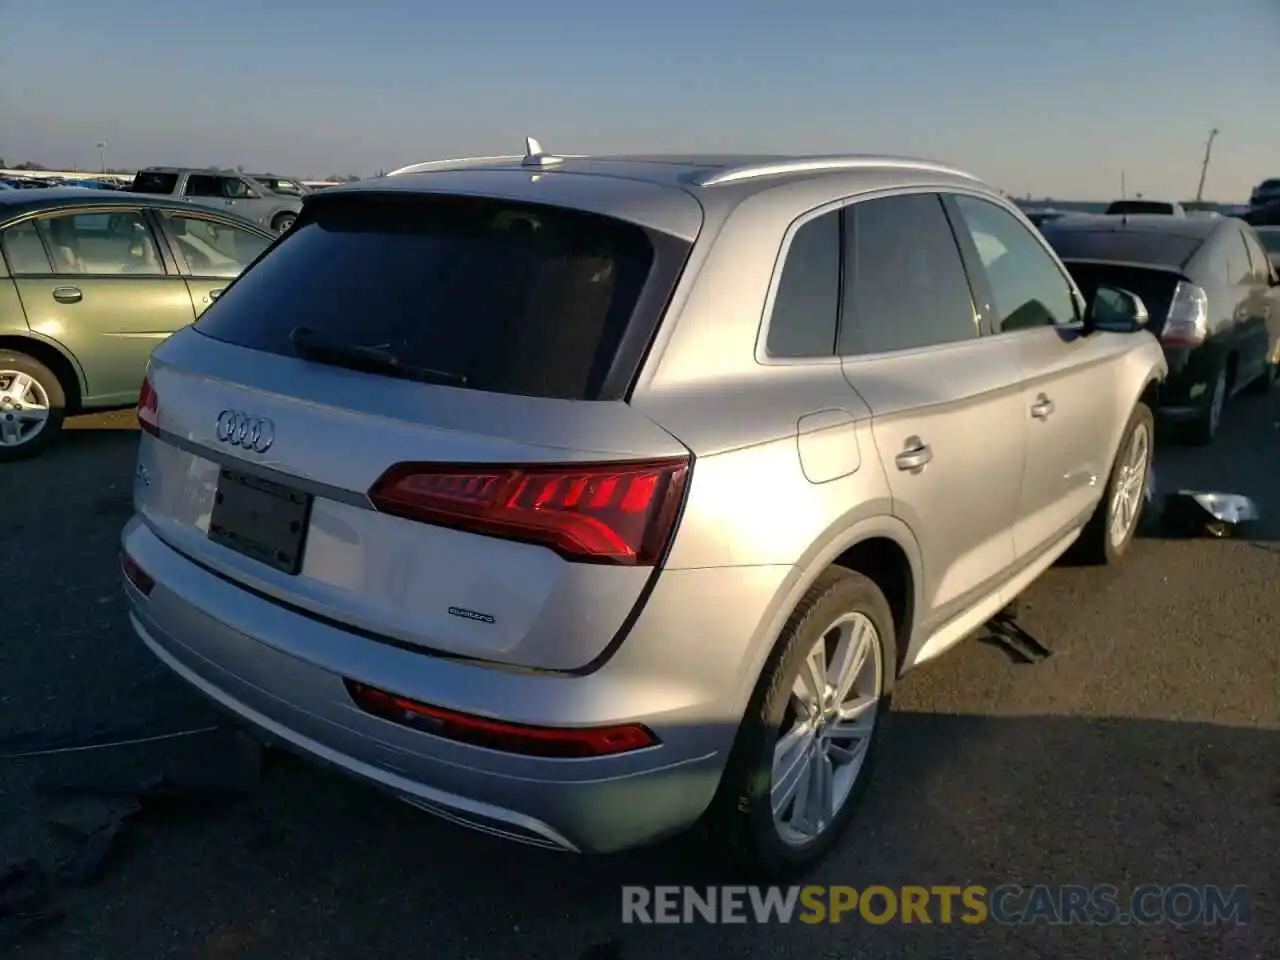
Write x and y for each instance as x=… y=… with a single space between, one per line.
x=915 y=455
x=1042 y=408
x=213 y=295
x=67 y=294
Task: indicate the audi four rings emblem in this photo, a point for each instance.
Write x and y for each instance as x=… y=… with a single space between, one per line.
x=245 y=431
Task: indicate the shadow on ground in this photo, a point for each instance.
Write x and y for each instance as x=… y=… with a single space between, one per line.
x=312 y=865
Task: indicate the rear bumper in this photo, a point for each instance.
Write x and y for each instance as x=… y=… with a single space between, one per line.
x=1186 y=390
x=282 y=674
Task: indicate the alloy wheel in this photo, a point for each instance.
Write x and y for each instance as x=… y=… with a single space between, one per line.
x=1131 y=485
x=827 y=729
x=24 y=408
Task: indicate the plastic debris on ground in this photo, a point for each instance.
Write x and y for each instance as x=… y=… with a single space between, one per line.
x=1204 y=513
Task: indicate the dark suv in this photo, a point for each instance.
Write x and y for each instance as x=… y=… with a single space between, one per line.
x=225 y=190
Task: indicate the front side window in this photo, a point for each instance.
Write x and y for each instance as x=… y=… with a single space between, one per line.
x=213 y=249
x=233 y=188
x=1026 y=284
x=905 y=283
x=803 y=321
x=108 y=243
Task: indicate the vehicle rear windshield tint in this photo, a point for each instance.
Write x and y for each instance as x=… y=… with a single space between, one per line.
x=1131 y=246
x=520 y=299
x=150 y=182
x=1136 y=207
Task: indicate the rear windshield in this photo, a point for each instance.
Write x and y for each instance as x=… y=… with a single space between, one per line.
x=1131 y=246
x=149 y=182
x=518 y=299
x=1139 y=206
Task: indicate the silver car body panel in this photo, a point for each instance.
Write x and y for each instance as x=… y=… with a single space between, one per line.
x=793 y=465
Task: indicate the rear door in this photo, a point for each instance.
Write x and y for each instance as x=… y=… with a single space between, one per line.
x=103 y=291
x=210 y=252
x=486 y=505
x=1069 y=395
x=948 y=419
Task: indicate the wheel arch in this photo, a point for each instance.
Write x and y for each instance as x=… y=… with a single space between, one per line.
x=61 y=363
x=863 y=546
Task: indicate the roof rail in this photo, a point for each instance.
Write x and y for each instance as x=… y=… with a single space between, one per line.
x=831 y=164
x=459 y=162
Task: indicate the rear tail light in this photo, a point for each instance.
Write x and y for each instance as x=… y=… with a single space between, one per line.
x=136 y=575
x=149 y=408
x=621 y=513
x=564 y=742
x=1188 y=321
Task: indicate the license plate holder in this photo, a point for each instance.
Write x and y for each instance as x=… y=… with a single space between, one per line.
x=261 y=519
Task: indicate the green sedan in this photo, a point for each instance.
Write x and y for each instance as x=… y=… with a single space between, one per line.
x=90 y=283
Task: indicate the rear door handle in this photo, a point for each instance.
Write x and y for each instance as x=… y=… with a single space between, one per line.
x=67 y=294
x=916 y=455
x=213 y=295
x=1042 y=408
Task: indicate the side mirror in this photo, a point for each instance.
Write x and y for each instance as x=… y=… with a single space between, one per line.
x=1113 y=310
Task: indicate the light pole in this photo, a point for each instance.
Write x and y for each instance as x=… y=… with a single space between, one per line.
x=1204 y=167
x=102 y=155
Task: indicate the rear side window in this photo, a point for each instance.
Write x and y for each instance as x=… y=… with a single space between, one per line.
x=519 y=299
x=151 y=182
x=803 y=321
x=203 y=185
x=24 y=250
x=905 y=284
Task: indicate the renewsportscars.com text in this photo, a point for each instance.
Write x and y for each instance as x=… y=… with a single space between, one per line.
x=1068 y=904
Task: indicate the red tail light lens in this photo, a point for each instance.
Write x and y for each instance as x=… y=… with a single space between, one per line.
x=136 y=575
x=620 y=513
x=149 y=408
x=564 y=742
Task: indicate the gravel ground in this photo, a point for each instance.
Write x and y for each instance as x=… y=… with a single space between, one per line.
x=1145 y=749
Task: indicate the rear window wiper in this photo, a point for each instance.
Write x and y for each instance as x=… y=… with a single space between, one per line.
x=368 y=359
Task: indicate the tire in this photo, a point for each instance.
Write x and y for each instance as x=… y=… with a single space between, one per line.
x=740 y=824
x=1204 y=429
x=1097 y=544
x=283 y=221
x=45 y=390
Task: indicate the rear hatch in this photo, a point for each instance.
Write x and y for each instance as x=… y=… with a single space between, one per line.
x=410 y=418
x=1154 y=285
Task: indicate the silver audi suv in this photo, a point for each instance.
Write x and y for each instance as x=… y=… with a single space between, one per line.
x=581 y=500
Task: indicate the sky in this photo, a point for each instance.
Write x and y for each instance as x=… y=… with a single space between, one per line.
x=1044 y=97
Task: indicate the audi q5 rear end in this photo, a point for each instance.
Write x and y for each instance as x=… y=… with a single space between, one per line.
x=536 y=492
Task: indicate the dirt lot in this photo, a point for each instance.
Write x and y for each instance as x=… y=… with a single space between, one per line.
x=1146 y=749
